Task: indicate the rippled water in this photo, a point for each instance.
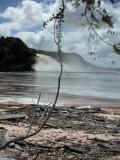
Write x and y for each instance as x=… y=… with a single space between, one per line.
x=82 y=87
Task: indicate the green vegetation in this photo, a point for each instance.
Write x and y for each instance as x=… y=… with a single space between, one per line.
x=15 y=55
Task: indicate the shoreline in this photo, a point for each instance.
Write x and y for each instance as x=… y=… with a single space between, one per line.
x=71 y=132
x=63 y=100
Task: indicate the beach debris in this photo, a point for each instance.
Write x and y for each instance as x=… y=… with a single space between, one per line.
x=13 y=116
x=3 y=133
x=85 y=132
x=6 y=158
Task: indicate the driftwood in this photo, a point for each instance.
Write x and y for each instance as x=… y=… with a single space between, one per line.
x=99 y=140
x=110 y=148
x=6 y=158
x=12 y=116
x=51 y=148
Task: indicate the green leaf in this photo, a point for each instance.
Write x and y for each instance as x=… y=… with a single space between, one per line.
x=116 y=48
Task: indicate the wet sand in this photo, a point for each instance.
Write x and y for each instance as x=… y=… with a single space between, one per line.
x=67 y=100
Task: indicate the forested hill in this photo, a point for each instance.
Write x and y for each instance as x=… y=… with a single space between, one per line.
x=15 y=55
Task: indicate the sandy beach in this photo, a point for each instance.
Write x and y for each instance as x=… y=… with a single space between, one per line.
x=74 y=132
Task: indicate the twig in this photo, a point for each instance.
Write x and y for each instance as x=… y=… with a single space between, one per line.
x=35 y=112
x=99 y=140
x=109 y=148
x=76 y=150
x=95 y=30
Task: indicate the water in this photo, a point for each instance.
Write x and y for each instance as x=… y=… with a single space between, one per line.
x=76 y=88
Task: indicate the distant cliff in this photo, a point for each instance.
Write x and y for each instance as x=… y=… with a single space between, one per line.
x=15 y=55
x=72 y=62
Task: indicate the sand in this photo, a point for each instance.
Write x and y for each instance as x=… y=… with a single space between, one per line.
x=76 y=132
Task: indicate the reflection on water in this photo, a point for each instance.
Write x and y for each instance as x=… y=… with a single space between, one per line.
x=74 y=86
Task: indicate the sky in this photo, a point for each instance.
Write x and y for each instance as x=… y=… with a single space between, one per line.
x=24 y=19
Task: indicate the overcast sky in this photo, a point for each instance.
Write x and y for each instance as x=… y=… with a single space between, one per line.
x=24 y=19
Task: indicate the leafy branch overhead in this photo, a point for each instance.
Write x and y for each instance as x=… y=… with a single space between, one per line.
x=59 y=15
x=94 y=10
x=94 y=13
x=116 y=48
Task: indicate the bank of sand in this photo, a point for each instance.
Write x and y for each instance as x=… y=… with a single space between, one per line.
x=76 y=132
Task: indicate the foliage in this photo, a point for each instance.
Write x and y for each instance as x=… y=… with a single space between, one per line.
x=94 y=13
x=116 y=48
x=94 y=9
x=15 y=55
x=58 y=16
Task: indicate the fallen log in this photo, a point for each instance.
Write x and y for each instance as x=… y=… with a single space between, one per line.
x=99 y=140
x=12 y=116
x=75 y=150
x=51 y=148
x=110 y=148
x=1 y=158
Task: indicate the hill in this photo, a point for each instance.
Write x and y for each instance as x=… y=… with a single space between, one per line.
x=49 y=61
x=15 y=55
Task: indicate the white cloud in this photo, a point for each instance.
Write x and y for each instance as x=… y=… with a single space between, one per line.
x=6 y=28
x=28 y=13
x=39 y=40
